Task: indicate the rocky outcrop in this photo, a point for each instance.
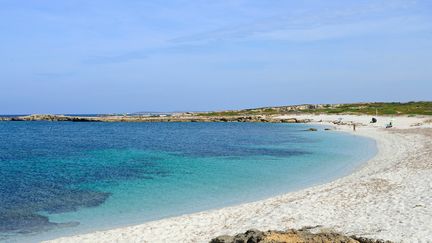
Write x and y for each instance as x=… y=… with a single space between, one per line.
x=53 y=118
x=180 y=118
x=291 y=236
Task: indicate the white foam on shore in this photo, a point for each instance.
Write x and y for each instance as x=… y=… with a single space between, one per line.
x=390 y=197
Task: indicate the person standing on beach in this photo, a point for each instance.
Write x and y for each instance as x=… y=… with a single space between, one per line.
x=354 y=127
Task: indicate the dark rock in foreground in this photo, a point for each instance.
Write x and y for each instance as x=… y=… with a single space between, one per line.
x=291 y=236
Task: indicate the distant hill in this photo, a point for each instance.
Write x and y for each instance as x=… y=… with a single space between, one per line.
x=380 y=108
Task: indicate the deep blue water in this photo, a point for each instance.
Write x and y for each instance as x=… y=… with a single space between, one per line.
x=62 y=178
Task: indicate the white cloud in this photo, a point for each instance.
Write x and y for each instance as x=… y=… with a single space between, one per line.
x=317 y=25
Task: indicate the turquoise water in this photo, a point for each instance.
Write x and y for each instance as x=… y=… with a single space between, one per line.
x=61 y=178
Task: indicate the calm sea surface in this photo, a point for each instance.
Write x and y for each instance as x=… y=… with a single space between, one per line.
x=61 y=178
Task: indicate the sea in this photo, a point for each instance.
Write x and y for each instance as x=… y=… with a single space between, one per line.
x=64 y=178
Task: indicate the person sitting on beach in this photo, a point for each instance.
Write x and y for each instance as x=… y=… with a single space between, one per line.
x=390 y=125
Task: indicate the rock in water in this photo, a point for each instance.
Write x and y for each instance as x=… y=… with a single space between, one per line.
x=291 y=236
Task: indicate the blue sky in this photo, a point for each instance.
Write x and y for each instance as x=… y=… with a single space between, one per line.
x=105 y=56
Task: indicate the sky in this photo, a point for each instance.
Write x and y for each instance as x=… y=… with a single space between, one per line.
x=106 y=56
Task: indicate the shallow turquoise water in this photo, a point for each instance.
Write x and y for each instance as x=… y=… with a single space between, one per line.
x=65 y=178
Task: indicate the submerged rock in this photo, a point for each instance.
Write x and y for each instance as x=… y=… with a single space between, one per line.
x=312 y=129
x=291 y=236
x=28 y=223
x=11 y=221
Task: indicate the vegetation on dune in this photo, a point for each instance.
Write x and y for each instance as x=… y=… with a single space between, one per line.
x=394 y=108
x=382 y=108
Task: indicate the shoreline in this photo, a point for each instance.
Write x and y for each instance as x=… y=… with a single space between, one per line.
x=358 y=203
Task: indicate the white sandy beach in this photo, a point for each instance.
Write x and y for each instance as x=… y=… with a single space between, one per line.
x=390 y=197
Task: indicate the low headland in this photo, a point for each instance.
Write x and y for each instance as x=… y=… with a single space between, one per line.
x=280 y=114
